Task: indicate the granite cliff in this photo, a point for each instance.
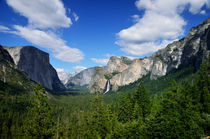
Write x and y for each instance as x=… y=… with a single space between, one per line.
x=82 y=78
x=35 y=63
x=10 y=74
x=190 y=50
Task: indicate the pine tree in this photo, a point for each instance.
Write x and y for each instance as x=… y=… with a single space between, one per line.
x=142 y=98
x=203 y=83
x=178 y=117
x=40 y=123
x=125 y=108
x=100 y=122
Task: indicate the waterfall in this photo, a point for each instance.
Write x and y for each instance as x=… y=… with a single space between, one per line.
x=107 y=87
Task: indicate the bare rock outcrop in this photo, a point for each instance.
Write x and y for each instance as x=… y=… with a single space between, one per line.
x=35 y=63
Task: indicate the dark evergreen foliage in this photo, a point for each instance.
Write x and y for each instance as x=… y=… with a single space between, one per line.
x=180 y=110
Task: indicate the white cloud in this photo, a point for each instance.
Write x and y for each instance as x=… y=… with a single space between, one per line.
x=160 y=24
x=60 y=70
x=139 y=49
x=42 y=13
x=203 y=12
x=136 y=18
x=79 y=68
x=44 y=17
x=51 y=42
x=100 y=61
x=4 y=29
x=63 y=75
x=76 y=17
x=153 y=26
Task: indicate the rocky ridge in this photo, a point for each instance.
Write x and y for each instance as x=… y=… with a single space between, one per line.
x=190 y=50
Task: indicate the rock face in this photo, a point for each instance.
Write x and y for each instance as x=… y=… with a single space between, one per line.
x=5 y=56
x=83 y=78
x=136 y=70
x=190 y=50
x=36 y=64
x=6 y=65
x=9 y=72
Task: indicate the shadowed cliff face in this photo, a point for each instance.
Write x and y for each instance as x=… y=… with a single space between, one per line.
x=9 y=72
x=190 y=50
x=36 y=64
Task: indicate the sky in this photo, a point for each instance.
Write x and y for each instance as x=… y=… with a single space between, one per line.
x=79 y=34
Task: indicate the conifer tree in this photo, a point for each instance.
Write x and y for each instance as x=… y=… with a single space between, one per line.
x=203 y=83
x=141 y=97
x=178 y=117
x=125 y=109
x=40 y=123
x=100 y=122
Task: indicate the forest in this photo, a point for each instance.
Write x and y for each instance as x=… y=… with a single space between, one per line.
x=165 y=108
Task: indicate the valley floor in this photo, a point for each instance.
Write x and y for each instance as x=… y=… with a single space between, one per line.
x=178 y=109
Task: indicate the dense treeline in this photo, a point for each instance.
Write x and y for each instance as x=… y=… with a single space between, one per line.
x=182 y=111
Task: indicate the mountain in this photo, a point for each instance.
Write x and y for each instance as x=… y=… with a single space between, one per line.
x=35 y=63
x=81 y=79
x=122 y=71
x=63 y=76
x=10 y=75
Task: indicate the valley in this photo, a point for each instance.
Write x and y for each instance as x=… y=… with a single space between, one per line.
x=165 y=95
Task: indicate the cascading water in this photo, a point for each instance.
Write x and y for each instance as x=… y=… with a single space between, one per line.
x=107 y=87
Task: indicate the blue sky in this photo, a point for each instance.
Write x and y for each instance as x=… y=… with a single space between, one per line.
x=85 y=33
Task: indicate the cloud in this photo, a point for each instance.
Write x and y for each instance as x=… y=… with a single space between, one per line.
x=203 y=12
x=79 y=68
x=139 y=49
x=136 y=18
x=44 y=18
x=76 y=17
x=51 y=42
x=100 y=61
x=4 y=29
x=42 y=13
x=160 y=24
x=63 y=75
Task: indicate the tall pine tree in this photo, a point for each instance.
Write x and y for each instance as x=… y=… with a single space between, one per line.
x=40 y=123
x=141 y=97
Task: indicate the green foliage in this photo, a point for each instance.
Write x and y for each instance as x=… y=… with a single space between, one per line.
x=141 y=97
x=127 y=61
x=203 y=83
x=115 y=73
x=100 y=119
x=13 y=102
x=177 y=116
x=39 y=123
x=96 y=123
x=178 y=110
x=125 y=108
x=110 y=75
